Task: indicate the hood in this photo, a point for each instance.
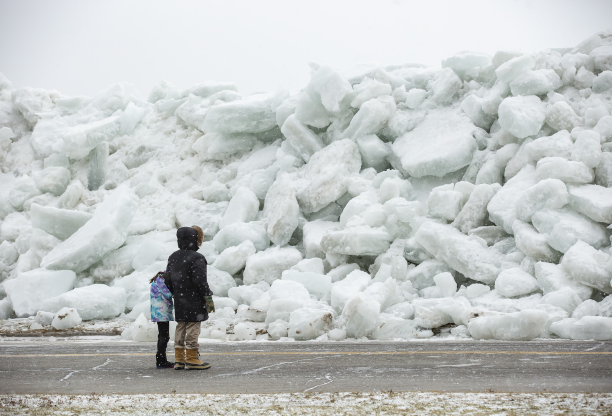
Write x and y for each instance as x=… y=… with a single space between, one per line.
x=187 y=238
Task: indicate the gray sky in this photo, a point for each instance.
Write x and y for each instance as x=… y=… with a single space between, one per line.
x=80 y=47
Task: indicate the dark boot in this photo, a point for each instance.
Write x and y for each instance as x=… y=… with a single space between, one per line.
x=162 y=361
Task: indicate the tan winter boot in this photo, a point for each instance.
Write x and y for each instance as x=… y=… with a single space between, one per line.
x=179 y=358
x=193 y=362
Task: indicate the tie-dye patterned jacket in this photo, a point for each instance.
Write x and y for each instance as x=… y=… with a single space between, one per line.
x=161 y=301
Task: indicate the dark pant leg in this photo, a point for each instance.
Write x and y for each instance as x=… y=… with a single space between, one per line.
x=163 y=336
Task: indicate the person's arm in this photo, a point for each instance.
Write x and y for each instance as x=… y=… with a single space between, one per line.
x=168 y=280
x=199 y=276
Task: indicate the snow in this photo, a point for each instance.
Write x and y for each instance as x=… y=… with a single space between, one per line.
x=312 y=403
x=388 y=200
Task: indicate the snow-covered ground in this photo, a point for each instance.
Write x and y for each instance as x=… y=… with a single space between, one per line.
x=29 y=327
x=377 y=202
x=383 y=403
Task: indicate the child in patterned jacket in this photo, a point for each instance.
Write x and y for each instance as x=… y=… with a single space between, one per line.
x=161 y=312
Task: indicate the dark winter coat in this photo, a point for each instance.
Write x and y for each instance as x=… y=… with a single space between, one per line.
x=186 y=278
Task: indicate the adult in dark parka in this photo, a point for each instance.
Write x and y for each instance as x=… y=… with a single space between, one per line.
x=186 y=279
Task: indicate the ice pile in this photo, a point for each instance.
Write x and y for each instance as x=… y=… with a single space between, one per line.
x=387 y=202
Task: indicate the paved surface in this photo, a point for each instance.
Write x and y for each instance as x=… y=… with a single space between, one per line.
x=119 y=367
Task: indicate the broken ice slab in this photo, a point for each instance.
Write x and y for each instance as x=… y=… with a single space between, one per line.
x=518 y=326
x=308 y=323
x=281 y=211
x=594 y=201
x=522 y=116
x=96 y=171
x=546 y=194
x=234 y=234
x=61 y=223
x=268 y=265
x=552 y=277
x=243 y=207
x=303 y=140
x=445 y=144
x=564 y=227
x=597 y=328
x=474 y=212
x=357 y=241
x=461 y=253
x=205 y=215
x=252 y=115
x=325 y=173
x=22 y=189
x=360 y=315
x=371 y=117
x=317 y=284
x=588 y=266
x=30 y=289
x=220 y=146
x=233 y=259
x=219 y=281
x=514 y=67
x=445 y=86
x=355 y=282
x=502 y=207
x=53 y=180
x=532 y=243
x=82 y=139
x=105 y=232
x=313 y=233
x=538 y=82
x=514 y=282
x=91 y=302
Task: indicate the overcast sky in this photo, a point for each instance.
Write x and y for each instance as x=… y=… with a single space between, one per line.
x=80 y=47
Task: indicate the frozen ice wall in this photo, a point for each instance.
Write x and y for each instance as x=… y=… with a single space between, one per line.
x=379 y=202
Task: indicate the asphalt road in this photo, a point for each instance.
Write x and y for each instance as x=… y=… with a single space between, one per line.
x=68 y=366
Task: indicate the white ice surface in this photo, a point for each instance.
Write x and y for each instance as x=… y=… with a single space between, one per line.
x=379 y=202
